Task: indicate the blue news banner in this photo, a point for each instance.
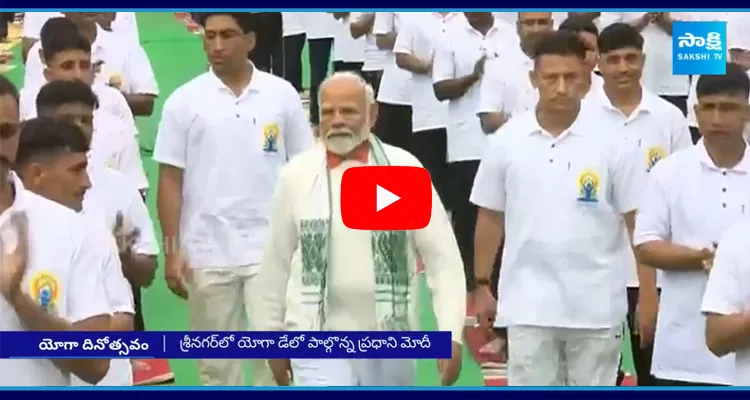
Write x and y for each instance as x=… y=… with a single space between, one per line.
x=247 y=345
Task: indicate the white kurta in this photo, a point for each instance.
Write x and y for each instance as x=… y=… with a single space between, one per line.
x=281 y=299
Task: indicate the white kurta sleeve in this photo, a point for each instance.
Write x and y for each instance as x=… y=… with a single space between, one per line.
x=273 y=278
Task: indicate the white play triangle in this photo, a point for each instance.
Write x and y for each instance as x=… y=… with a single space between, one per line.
x=384 y=198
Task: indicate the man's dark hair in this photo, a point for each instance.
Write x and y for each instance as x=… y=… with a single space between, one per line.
x=733 y=82
x=57 y=93
x=66 y=42
x=246 y=21
x=56 y=27
x=619 y=36
x=560 y=43
x=48 y=137
x=7 y=88
x=578 y=24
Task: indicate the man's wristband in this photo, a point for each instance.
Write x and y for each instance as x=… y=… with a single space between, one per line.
x=482 y=281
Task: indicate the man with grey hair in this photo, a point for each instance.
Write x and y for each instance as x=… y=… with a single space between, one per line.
x=306 y=219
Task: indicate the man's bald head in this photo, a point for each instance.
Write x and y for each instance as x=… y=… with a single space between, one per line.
x=347 y=111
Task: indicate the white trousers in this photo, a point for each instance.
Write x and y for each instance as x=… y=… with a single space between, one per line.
x=540 y=356
x=220 y=300
x=327 y=372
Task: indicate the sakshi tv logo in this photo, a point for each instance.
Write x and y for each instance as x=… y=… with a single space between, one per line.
x=699 y=48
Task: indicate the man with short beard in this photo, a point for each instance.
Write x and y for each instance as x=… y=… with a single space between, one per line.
x=294 y=263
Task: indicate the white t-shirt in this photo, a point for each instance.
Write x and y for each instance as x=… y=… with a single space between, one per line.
x=124 y=25
x=395 y=85
x=345 y=47
x=689 y=202
x=728 y=288
x=119 y=299
x=462 y=46
x=506 y=85
x=114 y=145
x=566 y=252
x=65 y=274
x=319 y=25
x=112 y=192
x=125 y=65
x=418 y=37
x=231 y=149
x=654 y=130
x=375 y=59
x=293 y=23
x=657 y=72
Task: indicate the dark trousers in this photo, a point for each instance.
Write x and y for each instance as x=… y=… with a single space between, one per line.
x=394 y=125
x=139 y=324
x=6 y=18
x=679 y=101
x=641 y=355
x=464 y=216
x=320 y=56
x=292 y=59
x=429 y=146
x=355 y=67
x=373 y=79
x=267 y=41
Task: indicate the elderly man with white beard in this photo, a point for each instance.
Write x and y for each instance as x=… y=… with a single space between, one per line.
x=318 y=275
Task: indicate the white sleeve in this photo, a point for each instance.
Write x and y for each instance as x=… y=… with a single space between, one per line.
x=492 y=91
x=137 y=213
x=384 y=23
x=119 y=292
x=628 y=176
x=652 y=221
x=609 y=18
x=443 y=65
x=32 y=24
x=405 y=40
x=126 y=25
x=680 y=137
x=489 y=184
x=88 y=282
x=130 y=162
x=726 y=291
x=27 y=103
x=34 y=70
x=139 y=73
x=172 y=137
x=298 y=135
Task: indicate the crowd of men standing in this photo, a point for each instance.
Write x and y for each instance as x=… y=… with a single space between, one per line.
x=578 y=184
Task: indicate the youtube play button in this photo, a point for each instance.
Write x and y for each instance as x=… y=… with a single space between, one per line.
x=386 y=198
